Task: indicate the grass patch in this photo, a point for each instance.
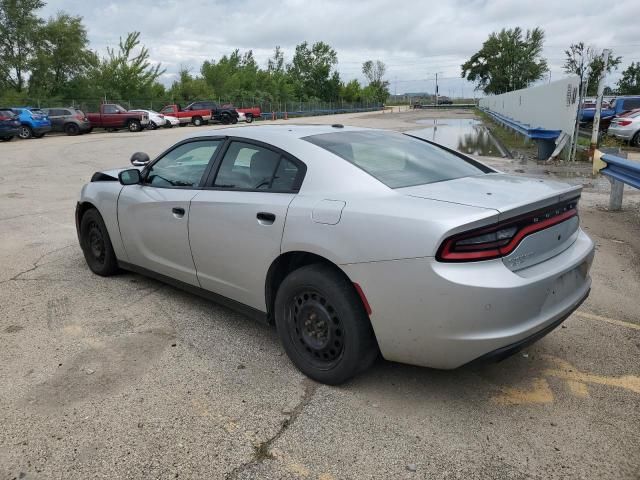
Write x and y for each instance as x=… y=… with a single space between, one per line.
x=516 y=143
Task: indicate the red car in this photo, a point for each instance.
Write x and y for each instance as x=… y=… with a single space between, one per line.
x=113 y=117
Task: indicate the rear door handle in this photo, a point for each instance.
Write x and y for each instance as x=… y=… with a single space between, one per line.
x=266 y=218
x=178 y=211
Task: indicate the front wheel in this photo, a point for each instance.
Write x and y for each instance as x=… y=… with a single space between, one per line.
x=152 y=125
x=134 y=126
x=96 y=244
x=249 y=118
x=197 y=121
x=25 y=132
x=323 y=325
x=635 y=141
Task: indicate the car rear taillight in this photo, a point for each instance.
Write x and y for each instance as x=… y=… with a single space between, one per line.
x=624 y=123
x=501 y=239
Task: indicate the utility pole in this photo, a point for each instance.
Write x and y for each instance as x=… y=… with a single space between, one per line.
x=436 y=89
x=596 y=117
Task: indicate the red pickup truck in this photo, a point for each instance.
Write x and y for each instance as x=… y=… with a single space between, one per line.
x=187 y=115
x=250 y=113
x=113 y=117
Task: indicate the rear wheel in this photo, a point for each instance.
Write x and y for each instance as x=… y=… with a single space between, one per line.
x=635 y=141
x=134 y=126
x=25 y=132
x=71 y=129
x=234 y=119
x=152 y=125
x=96 y=244
x=225 y=118
x=249 y=118
x=197 y=121
x=323 y=325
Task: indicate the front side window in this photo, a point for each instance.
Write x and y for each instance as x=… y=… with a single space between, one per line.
x=397 y=160
x=183 y=166
x=251 y=167
x=110 y=109
x=168 y=110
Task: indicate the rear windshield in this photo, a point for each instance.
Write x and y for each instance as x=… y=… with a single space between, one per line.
x=397 y=160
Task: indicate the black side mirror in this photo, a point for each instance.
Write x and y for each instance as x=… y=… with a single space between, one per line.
x=130 y=177
x=139 y=159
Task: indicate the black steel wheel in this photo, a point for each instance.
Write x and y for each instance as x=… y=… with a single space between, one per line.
x=322 y=324
x=71 y=129
x=96 y=244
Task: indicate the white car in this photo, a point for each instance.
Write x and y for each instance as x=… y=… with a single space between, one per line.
x=352 y=241
x=171 y=121
x=156 y=120
x=241 y=117
x=626 y=127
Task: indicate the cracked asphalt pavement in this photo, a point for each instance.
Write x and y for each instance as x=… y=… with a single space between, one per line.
x=125 y=377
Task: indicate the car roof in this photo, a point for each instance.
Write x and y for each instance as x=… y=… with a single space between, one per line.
x=269 y=133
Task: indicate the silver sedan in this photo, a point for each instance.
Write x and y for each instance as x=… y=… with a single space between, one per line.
x=354 y=242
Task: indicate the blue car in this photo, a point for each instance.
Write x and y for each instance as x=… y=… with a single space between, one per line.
x=33 y=122
x=9 y=125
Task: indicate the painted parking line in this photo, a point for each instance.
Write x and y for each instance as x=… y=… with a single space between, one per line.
x=612 y=321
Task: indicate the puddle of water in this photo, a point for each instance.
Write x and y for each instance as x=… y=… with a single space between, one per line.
x=464 y=134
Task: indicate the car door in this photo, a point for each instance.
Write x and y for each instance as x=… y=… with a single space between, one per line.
x=154 y=215
x=236 y=223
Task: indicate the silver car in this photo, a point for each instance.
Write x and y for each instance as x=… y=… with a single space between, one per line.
x=353 y=241
x=626 y=127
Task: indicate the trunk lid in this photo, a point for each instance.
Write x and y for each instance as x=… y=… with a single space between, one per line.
x=508 y=194
x=512 y=197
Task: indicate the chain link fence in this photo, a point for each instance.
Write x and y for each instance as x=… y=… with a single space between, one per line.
x=269 y=109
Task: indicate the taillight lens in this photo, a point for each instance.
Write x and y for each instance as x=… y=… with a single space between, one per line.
x=624 y=123
x=501 y=239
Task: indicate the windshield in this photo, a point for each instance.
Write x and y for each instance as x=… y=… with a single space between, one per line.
x=397 y=160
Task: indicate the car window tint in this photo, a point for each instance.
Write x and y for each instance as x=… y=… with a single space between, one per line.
x=110 y=109
x=631 y=104
x=397 y=160
x=247 y=167
x=183 y=166
x=285 y=176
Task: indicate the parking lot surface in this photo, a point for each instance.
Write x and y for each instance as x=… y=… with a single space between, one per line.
x=125 y=377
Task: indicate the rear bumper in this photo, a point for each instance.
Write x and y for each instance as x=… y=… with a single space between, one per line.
x=444 y=315
x=622 y=133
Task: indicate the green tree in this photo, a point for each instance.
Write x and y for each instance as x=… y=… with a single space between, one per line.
x=507 y=61
x=311 y=71
x=351 y=92
x=374 y=73
x=587 y=63
x=61 y=56
x=629 y=84
x=188 y=88
x=127 y=73
x=20 y=30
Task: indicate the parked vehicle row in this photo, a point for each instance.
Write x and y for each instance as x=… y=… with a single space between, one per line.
x=31 y=122
x=626 y=127
x=616 y=107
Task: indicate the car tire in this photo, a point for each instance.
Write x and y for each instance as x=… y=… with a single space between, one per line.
x=225 y=119
x=341 y=342
x=71 y=129
x=249 y=118
x=152 y=125
x=234 y=120
x=168 y=124
x=96 y=244
x=197 y=121
x=134 y=126
x=25 y=132
x=635 y=140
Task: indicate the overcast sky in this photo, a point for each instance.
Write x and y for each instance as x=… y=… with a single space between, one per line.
x=415 y=39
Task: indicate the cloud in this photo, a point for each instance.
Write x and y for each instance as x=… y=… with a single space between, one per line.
x=415 y=39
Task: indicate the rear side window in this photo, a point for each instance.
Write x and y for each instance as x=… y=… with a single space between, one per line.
x=397 y=160
x=631 y=104
x=251 y=167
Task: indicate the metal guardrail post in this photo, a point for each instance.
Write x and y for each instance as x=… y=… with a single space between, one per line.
x=615 y=197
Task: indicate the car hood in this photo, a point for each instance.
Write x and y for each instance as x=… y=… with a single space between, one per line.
x=508 y=194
